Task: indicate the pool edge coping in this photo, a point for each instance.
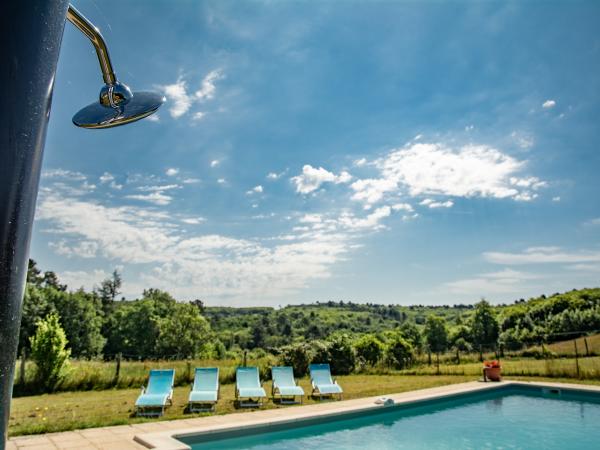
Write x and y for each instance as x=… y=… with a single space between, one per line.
x=168 y=439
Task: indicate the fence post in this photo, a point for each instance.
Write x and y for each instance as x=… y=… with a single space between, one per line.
x=188 y=371
x=576 y=357
x=117 y=369
x=429 y=357
x=587 y=349
x=480 y=353
x=245 y=356
x=22 y=368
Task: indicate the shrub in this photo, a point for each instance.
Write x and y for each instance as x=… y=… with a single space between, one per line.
x=341 y=353
x=369 y=348
x=48 y=351
x=320 y=352
x=297 y=356
x=399 y=352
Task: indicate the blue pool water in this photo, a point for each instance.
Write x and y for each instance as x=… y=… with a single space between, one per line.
x=507 y=419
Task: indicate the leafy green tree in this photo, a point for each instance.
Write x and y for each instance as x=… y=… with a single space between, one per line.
x=51 y=280
x=109 y=289
x=48 y=351
x=184 y=333
x=399 y=352
x=436 y=333
x=342 y=358
x=35 y=308
x=81 y=317
x=484 y=326
x=369 y=348
x=412 y=334
x=133 y=329
x=297 y=356
x=33 y=274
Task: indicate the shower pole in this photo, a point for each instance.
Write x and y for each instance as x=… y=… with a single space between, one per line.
x=30 y=38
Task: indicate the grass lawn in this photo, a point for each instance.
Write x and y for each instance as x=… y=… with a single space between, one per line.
x=74 y=410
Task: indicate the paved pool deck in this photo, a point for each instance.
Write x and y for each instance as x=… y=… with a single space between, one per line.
x=160 y=435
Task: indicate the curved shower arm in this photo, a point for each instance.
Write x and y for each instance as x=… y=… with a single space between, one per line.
x=94 y=35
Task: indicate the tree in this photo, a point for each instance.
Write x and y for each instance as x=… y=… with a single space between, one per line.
x=484 y=326
x=411 y=333
x=183 y=334
x=35 y=308
x=399 y=352
x=48 y=351
x=297 y=356
x=436 y=335
x=109 y=289
x=33 y=274
x=369 y=348
x=81 y=317
x=51 y=280
x=342 y=358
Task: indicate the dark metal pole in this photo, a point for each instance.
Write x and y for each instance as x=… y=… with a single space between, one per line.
x=30 y=37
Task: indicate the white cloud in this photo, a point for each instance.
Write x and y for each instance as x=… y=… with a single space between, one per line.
x=82 y=249
x=275 y=176
x=190 y=180
x=172 y=171
x=193 y=220
x=434 y=169
x=181 y=101
x=214 y=163
x=156 y=198
x=208 y=88
x=153 y=118
x=255 y=190
x=403 y=207
x=64 y=174
x=469 y=128
x=506 y=281
x=417 y=137
x=523 y=140
x=360 y=162
x=110 y=179
x=312 y=178
x=199 y=115
x=372 y=221
x=548 y=104
x=221 y=181
x=542 y=255
x=159 y=188
x=372 y=190
x=430 y=203
x=556 y=199
x=85 y=279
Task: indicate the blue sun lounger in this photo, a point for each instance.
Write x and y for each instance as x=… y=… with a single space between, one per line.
x=247 y=386
x=284 y=385
x=157 y=395
x=322 y=383
x=205 y=390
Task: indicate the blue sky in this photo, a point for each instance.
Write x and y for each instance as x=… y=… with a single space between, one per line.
x=390 y=152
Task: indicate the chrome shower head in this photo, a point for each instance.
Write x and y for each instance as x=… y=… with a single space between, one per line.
x=117 y=104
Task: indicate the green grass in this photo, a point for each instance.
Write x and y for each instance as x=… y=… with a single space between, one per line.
x=589 y=368
x=75 y=410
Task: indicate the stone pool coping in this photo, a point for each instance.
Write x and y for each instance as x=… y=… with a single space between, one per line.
x=167 y=439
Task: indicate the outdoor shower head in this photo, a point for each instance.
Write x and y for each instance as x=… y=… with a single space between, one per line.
x=117 y=105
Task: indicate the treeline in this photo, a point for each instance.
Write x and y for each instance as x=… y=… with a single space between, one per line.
x=156 y=326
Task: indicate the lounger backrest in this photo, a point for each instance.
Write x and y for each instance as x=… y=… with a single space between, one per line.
x=160 y=381
x=247 y=377
x=206 y=379
x=320 y=374
x=283 y=376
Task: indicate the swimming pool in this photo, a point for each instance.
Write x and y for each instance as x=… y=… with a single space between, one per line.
x=512 y=417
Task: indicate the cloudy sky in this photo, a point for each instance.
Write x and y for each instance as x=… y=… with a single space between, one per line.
x=420 y=152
